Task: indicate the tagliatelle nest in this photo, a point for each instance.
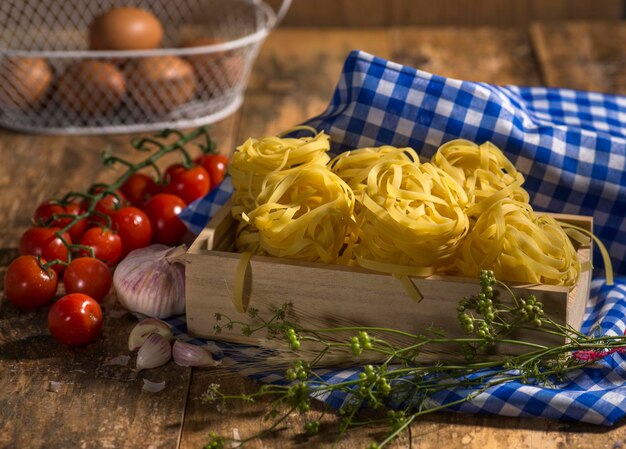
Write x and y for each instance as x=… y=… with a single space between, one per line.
x=354 y=166
x=304 y=213
x=381 y=208
x=257 y=158
x=518 y=246
x=484 y=172
x=412 y=215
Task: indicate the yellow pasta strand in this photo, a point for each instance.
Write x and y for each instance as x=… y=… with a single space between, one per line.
x=518 y=246
x=253 y=161
x=412 y=215
x=304 y=213
x=384 y=210
x=482 y=170
x=354 y=166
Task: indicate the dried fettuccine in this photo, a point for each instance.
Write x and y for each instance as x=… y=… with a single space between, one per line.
x=483 y=170
x=253 y=161
x=518 y=246
x=304 y=213
x=412 y=216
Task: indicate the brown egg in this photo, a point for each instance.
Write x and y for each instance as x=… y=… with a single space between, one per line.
x=160 y=83
x=216 y=72
x=125 y=29
x=23 y=82
x=91 y=88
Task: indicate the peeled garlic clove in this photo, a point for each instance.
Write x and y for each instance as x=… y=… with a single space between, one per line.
x=151 y=281
x=186 y=354
x=155 y=351
x=144 y=328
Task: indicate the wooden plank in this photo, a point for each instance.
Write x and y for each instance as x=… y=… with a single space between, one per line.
x=34 y=168
x=96 y=406
x=238 y=419
x=596 y=62
x=293 y=79
x=518 y=13
x=296 y=73
x=493 y=55
x=497 y=432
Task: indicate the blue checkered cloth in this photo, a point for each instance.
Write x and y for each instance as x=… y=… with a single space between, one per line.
x=570 y=146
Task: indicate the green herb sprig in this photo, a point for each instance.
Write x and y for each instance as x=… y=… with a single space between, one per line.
x=400 y=388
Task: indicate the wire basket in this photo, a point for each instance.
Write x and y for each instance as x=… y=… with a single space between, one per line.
x=51 y=82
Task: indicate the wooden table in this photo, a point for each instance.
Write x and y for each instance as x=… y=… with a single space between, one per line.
x=98 y=406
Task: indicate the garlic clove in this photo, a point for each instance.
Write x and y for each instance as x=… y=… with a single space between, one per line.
x=156 y=351
x=151 y=281
x=144 y=328
x=186 y=354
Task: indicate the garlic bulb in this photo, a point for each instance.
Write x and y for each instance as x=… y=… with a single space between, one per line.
x=155 y=351
x=151 y=281
x=186 y=354
x=144 y=329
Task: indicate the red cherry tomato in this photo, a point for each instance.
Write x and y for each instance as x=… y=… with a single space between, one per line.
x=46 y=212
x=133 y=227
x=215 y=165
x=108 y=204
x=75 y=320
x=139 y=188
x=88 y=276
x=78 y=229
x=106 y=244
x=163 y=210
x=27 y=285
x=43 y=242
x=187 y=184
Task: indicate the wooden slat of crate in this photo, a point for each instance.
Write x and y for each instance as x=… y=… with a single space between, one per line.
x=334 y=296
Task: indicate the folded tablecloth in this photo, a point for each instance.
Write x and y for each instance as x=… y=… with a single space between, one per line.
x=571 y=147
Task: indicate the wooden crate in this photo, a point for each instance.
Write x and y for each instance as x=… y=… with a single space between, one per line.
x=332 y=295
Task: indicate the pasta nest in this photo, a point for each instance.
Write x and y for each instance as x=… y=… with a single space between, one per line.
x=257 y=158
x=518 y=246
x=304 y=213
x=485 y=173
x=354 y=166
x=412 y=214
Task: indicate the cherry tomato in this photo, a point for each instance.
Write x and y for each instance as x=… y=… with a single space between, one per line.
x=106 y=244
x=133 y=227
x=43 y=242
x=75 y=319
x=108 y=204
x=139 y=188
x=215 y=165
x=78 y=229
x=46 y=212
x=163 y=210
x=187 y=184
x=88 y=276
x=27 y=285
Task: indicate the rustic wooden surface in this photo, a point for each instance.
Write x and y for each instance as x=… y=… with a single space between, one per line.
x=518 y=13
x=99 y=406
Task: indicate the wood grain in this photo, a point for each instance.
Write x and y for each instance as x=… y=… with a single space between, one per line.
x=492 y=55
x=596 y=62
x=293 y=80
x=296 y=74
x=509 y=13
x=34 y=168
x=96 y=406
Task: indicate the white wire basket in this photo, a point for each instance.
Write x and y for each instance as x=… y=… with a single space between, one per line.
x=51 y=82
